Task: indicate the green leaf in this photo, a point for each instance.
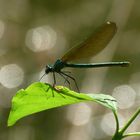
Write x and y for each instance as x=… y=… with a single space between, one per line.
x=41 y=96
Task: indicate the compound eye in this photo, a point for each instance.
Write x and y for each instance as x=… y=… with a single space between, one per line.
x=48 y=69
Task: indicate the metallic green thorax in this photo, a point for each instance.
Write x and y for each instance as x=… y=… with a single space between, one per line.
x=58 y=65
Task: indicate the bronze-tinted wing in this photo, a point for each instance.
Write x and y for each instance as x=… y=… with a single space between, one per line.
x=93 y=45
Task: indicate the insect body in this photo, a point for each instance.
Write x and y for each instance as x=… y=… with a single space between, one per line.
x=89 y=48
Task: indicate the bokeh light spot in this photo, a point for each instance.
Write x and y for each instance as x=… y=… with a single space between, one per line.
x=11 y=76
x=108 y=123
x=79 y=114
x=41 y=38
x=125 y=96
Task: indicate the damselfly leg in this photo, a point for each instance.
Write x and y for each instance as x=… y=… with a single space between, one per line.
x=72 y=79
x=66 y=79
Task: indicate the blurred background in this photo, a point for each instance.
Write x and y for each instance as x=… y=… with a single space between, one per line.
x=34 y=33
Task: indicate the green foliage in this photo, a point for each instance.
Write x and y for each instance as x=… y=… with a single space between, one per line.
x=40 y=96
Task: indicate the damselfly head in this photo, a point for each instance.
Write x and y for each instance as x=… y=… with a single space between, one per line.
x=48 y=69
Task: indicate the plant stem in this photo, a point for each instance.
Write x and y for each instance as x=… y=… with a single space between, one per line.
x=117 y=121
x=131 y=134
x=119 y=134
x=129 y=121
x=116 y=135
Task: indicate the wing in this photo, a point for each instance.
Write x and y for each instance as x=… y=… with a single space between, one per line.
x=93 y=45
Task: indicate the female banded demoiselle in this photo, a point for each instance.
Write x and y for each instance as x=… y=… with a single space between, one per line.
x=89 y=48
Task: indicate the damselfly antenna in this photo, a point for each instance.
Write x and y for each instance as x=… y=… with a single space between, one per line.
x=42 y=76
